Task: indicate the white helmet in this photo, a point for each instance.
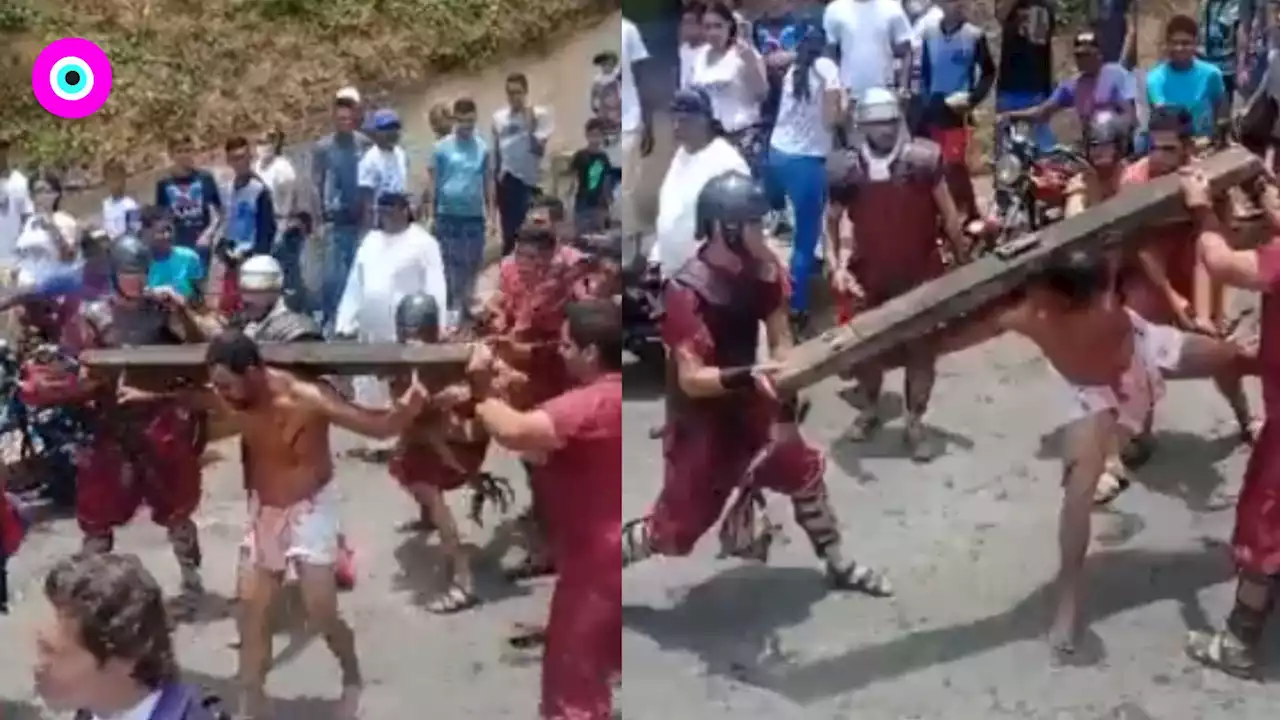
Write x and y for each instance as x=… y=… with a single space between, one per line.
x=877 y=105
x=261 y=273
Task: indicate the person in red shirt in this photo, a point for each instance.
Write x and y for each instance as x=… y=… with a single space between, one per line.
x=575 y=443
x=1256 y=541
x=1165 y=283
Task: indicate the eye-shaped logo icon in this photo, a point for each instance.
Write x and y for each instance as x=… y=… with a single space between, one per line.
x=71 y=78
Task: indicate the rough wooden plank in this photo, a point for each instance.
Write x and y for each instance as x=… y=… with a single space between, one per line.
x=968 y=288
x=438 y=363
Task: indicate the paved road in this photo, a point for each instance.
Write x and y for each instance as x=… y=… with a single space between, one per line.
x=969 y=542
x=411 y=657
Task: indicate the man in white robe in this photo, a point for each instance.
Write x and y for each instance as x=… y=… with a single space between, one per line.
x=398 y=258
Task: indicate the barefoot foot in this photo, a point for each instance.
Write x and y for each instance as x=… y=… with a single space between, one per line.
x=349 y=704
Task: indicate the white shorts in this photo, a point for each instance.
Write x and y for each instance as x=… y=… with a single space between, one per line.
x=307 y=532
x=1156 y=348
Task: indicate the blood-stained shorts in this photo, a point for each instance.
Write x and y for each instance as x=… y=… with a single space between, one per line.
x=1156 y=348
x=702 y=470
x=111 y=486
x=306 y=532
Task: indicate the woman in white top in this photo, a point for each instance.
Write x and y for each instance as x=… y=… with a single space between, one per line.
x=280 y=177
x=731 y=72
x=809 y=109
x=691 y=41
x=48 y=239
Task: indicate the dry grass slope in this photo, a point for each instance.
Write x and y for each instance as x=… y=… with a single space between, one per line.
x=222 y=66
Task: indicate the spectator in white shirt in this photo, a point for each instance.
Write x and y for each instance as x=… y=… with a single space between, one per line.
x=691 y=39
x=277 y=172
x=15 y=205
x=384 y=168
x=119 y=210
x=700 y=155
x=869 y=37
x=636 y=125
x=731 y=72
x=520 y=134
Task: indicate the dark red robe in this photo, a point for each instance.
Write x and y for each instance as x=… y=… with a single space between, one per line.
x=144 y=454
x=714 y=446
x=1256 y=542
x=582 y=483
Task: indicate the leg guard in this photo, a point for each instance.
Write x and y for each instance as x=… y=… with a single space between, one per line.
x=920 y=375
x=1248 y=618
x=815 y=517
x=186 y=550
x=636 y=545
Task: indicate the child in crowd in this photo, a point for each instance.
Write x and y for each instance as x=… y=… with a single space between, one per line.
x=289 y=253
x=607 y=80
x=592 y=175
x=119 y=209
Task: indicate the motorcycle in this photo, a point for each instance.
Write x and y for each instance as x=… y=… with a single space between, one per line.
x=1030 y=187
x=641 y=301
x=41 y=443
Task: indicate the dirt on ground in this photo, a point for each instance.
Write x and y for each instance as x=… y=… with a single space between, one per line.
x=223 y=67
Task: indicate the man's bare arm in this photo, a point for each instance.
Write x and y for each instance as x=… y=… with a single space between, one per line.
x=531 y=431
x=1238 y=268
x=378 y=424
x=778 y=331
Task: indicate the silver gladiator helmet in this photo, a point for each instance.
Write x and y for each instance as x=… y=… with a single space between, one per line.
x=731 y=201
x=130 y=256
x=879 y=123
x=417 y=317
x=260 y=281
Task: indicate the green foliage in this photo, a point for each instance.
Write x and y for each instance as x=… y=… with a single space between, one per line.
x=231 y=66
x=17 y=16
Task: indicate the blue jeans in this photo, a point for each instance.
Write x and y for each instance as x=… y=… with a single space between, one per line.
x=1007 y=101
x=804 y=181
x=341 y=242
x=514 y=198
x=288 y=252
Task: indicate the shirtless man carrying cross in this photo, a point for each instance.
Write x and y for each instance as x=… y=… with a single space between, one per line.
x=285 y=422
x=1115 y=364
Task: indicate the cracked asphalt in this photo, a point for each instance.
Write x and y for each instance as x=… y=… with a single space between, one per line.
x=969 y=541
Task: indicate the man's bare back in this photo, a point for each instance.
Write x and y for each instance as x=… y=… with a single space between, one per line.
x=1090 y=346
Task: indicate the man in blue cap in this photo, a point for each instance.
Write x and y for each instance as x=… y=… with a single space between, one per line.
x=384 y=169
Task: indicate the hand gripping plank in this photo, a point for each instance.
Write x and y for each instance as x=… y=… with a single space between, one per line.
x=967 y=288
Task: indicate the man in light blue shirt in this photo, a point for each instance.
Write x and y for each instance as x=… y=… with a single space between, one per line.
x=460 y=196
x=1184 y=80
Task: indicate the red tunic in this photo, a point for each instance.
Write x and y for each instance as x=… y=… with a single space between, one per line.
x=1256 y=542
x=418 y=462
x=1174 y=244
x=582 y=485
x=710 y=444
x=145 y=454
x=895 y=222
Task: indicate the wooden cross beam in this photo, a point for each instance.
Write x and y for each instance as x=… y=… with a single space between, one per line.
x=965 y=289
x=436 y=364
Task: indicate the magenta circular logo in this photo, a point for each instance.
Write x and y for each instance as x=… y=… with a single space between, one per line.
x=71 y=78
